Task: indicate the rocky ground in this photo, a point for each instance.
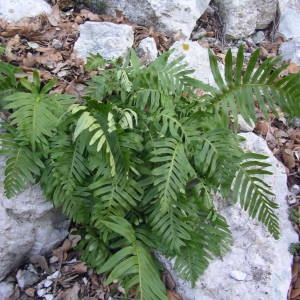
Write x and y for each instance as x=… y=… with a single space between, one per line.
x=46 y=43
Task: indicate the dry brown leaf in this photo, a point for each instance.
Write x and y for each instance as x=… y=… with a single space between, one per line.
x=295 y=270
x=295 y=293
x=41 y=262
x=70 y=294
x=295 y=136
x=288 y=158
x=291 y=69
x=173 y=296
x=54 y=16
x=168 y=280
x=85 y=13
x=262 y=128
x=30 y=292
x=79 y=268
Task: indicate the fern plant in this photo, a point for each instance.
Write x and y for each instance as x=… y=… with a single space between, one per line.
x=137 y=161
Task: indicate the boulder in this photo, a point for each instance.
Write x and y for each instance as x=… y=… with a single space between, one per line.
x=12 y=11
x=168 y=16
x=108 y=39
x=242 y=17
x=29 y=225
x=257 y=266
x=196 y=58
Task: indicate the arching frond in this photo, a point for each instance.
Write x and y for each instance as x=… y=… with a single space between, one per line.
x=254 y=194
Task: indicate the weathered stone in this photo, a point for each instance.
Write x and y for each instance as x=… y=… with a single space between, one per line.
x=242 y=17
x=196 y=57
x=244 y=126
x=29 y=225
x=12 y=11
x=6 y=289
x=26 y=278
x=257 y=266
x=108 y=39
x=258 y=37
x=290 y=50
x=168 y=16
x=289 y=18
x=147 y=50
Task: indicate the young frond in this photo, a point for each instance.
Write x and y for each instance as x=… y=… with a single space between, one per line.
x=254 y=194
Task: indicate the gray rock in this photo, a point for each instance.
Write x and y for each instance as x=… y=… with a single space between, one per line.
x=29 y=225
x=12 y=11
x=6 y=289
x=244 y=126
x=296 y=122
x=168 y=16
x=289 y=18
x=290 y=50
x=257 y=266
x=108 y=39
x=147 y=50
x=242 y=17
x=196 y=57
x=258 y=37
x=26 y=278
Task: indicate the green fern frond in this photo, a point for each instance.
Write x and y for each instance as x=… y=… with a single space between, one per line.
x=254 y=194
x=113 y=197
x=210 y=238
x=37 y=114
x=134 y=265
x=242 y=88
x=22 y=165
x=171 y=227
x=214 y=149
x=172 y=170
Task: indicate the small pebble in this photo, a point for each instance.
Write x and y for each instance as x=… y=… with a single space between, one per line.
x=238 y=275
x=85 y=281
x=48 y=297
x=54 y=275
x=258 y=37
x=295 y=189
x=291 y=199
x=41 y=292
x=47 y=283
x=53 y=259
x=57 y=44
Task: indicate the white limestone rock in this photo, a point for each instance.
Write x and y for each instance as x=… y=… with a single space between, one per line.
x=257 y=266
x=289 y=18
x=168 y=16
x=6 y=289
x=289 y=28
x=242 y=17
x=12 y=11
x=147 y=50
x=196 y=57
x=108 y=39
x=29 y=225
x=244 y=126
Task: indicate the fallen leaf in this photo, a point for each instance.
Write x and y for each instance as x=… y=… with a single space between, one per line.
x=262 y=128
x=70 y=294
x=168 y=280
x=54 y=16
x=288 y=158
x=79 y=268
x=173 y=296
x=85 y=13
x=30 y=292
x=295 y=293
